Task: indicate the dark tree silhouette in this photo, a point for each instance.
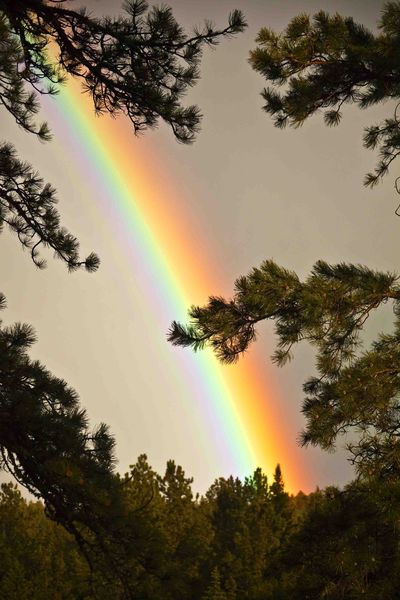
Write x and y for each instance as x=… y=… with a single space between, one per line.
x=235 y=544
x=46 y=444
x=141 y=64
x=27 y=206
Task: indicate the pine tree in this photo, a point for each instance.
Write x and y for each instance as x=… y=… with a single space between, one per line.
x=247 y=533
x=328 y=61
x=214 y=590
x=38 y=558
x=347 y=546
x=279 y=498
x=186 y=534
x=44 y=437
x=46 y=444
x=356 y=387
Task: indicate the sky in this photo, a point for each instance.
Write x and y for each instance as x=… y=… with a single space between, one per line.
x=174 y=223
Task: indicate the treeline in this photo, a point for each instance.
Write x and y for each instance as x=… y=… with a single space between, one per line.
x=241 y=540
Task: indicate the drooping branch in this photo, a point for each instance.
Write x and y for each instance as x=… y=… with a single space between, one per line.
x=28 y=207
x=140 y=65
x=325 y=62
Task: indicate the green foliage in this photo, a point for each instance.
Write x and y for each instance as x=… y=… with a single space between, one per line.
x=356 y=388
x=38 y=558
x=346 y=546
x=249 y=531
x=214 y=590
x=330 y=544
x=328 y=61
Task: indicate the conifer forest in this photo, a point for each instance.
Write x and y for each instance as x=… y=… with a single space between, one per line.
x=77 y=523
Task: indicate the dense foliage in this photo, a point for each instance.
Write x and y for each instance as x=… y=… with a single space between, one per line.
x=46 y=444
x=242 y=540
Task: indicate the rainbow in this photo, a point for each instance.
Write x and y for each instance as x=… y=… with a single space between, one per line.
x=238 y=405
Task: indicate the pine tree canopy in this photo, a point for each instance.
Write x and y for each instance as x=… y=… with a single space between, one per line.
x=325 y=62
x=235 y=543
x=140 y=65
x=356 y=388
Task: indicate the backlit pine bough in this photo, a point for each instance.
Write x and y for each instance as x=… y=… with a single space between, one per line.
x=139 y=65
x=356 y=389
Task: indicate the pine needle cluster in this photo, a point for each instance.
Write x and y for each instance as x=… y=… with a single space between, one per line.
x=327 y=61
